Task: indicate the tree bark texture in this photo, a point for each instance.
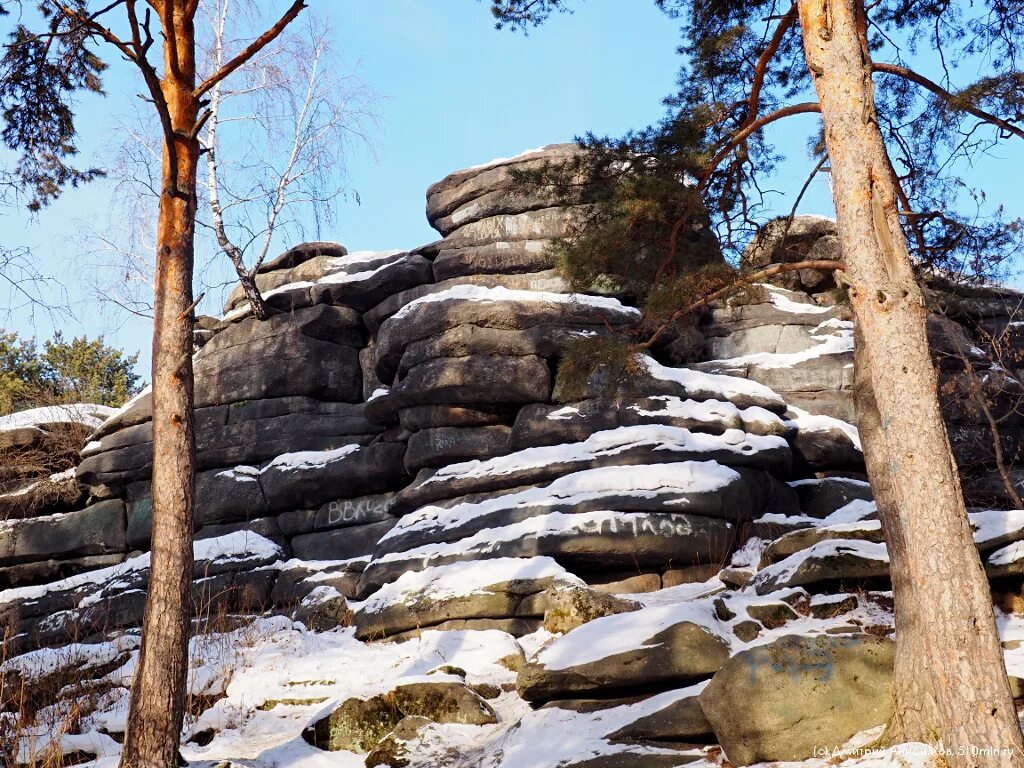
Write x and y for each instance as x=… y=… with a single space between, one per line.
x=950 y=684
x=158 y=691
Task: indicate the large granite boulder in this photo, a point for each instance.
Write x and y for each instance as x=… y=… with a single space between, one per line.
x=784 y=700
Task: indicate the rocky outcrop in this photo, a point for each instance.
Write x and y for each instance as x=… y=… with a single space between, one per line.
x=592 y=566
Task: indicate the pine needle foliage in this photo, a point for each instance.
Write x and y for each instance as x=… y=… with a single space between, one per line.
x=743 y=69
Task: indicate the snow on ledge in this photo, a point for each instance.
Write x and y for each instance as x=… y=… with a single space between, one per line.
x=235 y=546
x=480 y=293
x=609 y=442
x=642 y=481
x=725 y=387
x=86 y=414
x=462 y=579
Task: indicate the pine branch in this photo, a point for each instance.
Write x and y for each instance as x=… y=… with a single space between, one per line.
x=774 y=269
x=948 y=97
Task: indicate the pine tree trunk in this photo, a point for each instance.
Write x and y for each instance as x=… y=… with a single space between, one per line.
x=950 y=685
x=158 y=692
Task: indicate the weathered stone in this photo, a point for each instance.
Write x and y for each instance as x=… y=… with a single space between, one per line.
x=582 y=541
x=547 y=341
x=302 y=253
x=493 y=308
x=296 y=582
x=247 y=432
x=543 y=424
x=333 y=475
x=395 y=749
x=446 y=445
x=475 y=193
x=95 y=530
x=682 y=719
x=420 y=417
x=624 y=447
x=783 y=700
x=821 y=497
x=356 y=725
x=443 y=702
x=340 y=543
x=797 y=541
x=827 y=561
x=804 y=238
x=496 y=258
x=538 y=224
x=266 y=527
x=826 y=447
x=548 y=280
x=373 y=286
x=682 y=651
x=417 y=601
x=571 y=606
x=43 y=571
x=465 y=380
x=311 y=352
x=651 y=379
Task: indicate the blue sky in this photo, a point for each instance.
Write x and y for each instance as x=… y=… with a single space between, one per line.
x=455 y=92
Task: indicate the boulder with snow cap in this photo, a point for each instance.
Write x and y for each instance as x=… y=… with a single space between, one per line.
x=657 y=645
x=784 y=700
x=830 y=560
x=493 y=589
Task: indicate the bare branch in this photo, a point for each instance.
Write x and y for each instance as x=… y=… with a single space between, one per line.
x=293 y=11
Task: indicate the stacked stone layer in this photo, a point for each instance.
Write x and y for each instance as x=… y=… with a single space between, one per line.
x=392 y=450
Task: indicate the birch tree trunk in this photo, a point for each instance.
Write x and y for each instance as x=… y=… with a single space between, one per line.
x=158 y=692
x=950 y=684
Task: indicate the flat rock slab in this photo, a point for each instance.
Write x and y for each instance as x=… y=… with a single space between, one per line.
x=505 y=258
x=654 y=379
x=784 y=700
x=248 y=432
x=96 y=530
x=340 y=543
x=543 y=424
x=827 y=561
x=641 y=445
x=433 y=448
x=491 y=188
x=549 y=280
x=543 y=223
x=654 y=646
x=585 y=541
x=309 y=479
x=465 y=381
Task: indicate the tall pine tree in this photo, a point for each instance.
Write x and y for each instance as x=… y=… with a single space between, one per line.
x=43 y=69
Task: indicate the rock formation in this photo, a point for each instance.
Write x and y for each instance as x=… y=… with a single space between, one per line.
x=392 y=453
